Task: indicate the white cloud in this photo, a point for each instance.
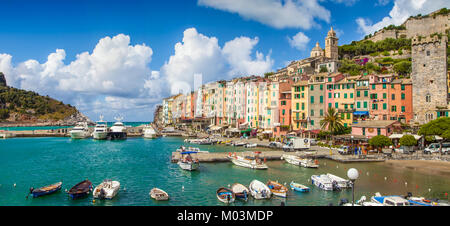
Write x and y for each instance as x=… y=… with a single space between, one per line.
x=299 y=41
x=116 y=79
x=401 y=11
x=238 y=54
x=382 y=2
x=199 y=54
x=345 y=2
x=275 y=13
x=115 y=69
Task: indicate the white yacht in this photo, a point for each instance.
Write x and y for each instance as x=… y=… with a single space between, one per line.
x=80 y=131
x=149 y=132
x=323 y=182
x=343 y=183
x=118 y=131
x=100 y=130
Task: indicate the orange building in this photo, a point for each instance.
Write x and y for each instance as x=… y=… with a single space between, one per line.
x=284 y=107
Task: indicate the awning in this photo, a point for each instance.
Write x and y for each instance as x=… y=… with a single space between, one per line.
x=267 y=132
x=246 y=131
x=398 y=136
x=215 y=128
x=233 y=130
x=361 y=113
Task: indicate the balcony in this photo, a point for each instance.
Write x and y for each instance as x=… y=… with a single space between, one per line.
x=348 y=110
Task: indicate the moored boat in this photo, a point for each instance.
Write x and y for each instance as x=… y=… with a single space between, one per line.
x=259 y=190
x=159 y=194
x=249 y=162
x=118 y=131
x=240 y=191
x=46 y=190
x=323 y=182
x=187 y=162
x=391 y=200
x=421 y=201
x=100 y=130
x=310 y=163
x=80 y=131
x=108 y=189
x=299 y=187
x=292 y=159
x=149 y=132
x=251 y=145
x=341 y=182
x=80 y=190
x=225 y=195
x=277 y=188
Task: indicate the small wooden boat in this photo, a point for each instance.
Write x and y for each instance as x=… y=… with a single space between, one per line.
x=240 y=191
x=299 y=187
x=277 y=188
x=81 y=189
x=46 y=190
x=259 y=190
x=108 y=189
x=225 y=195
x=159 y=194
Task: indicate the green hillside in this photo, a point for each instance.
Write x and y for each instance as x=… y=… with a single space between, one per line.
x=30 y=105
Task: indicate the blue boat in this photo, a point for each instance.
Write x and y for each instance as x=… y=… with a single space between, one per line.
x=299 y=187
x=80 y=190
x=45 y=190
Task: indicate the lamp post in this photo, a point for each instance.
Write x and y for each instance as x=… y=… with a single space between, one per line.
x=353 y=175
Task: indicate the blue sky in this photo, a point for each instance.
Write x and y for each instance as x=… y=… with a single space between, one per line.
x=32 y=31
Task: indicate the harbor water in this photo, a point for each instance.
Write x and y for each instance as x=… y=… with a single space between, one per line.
x=142 y=164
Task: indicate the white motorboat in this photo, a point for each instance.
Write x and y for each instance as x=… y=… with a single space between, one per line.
x=251 y=145
x=248 y=162
x=341 y=182
x=80 y=131
x=149 y=132
x=118 y=131
x=323 y=182
x=392 y=200
x=295 y=160
x=159 y=194
x=259 y=190
x=108 y=189
x=310 y=163
x=362 y=202
x=187 y=162
x=100 y=130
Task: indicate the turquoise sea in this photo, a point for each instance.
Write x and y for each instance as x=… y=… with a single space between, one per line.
x=141 y=164
x=21 y=128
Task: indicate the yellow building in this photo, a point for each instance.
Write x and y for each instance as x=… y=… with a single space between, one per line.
x=299 y=105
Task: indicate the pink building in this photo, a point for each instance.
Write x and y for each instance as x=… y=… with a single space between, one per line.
x=376 y=127
x=330 y=86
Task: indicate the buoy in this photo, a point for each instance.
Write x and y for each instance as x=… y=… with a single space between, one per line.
x=446 y=194
x=429 y=189
x=14 y=184
x=284 y=183
x=385 y=178
x=182 y=187
x=406 y=183
x=93 y=201
x=228 y=185
x=124 y=188
x=367 y=173
x=417 y=186
x=395 y=180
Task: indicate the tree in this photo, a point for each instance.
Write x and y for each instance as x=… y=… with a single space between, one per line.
x=436 y=127
x=380 y=141
x=332 y=122
x=403 y=68
x=408 y=141
x=446 y=135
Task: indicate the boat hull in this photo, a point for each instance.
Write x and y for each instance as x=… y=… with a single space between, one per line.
x=188 y=166
x=117 y=135
x=40 y=192
x=79 y=135
x=108 y=193
x=299 y=188
x=315 y=180
x=259 y=190
x=248 y=164
x=100 y=135
x=154 y=194
x=225 y=195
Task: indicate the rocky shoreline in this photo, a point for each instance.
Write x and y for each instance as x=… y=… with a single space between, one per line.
x=69 y=121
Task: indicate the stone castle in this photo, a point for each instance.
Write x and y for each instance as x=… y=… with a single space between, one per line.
x=422 y=26
x=429 y=77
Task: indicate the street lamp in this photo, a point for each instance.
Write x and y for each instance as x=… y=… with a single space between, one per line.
x=353 y=175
